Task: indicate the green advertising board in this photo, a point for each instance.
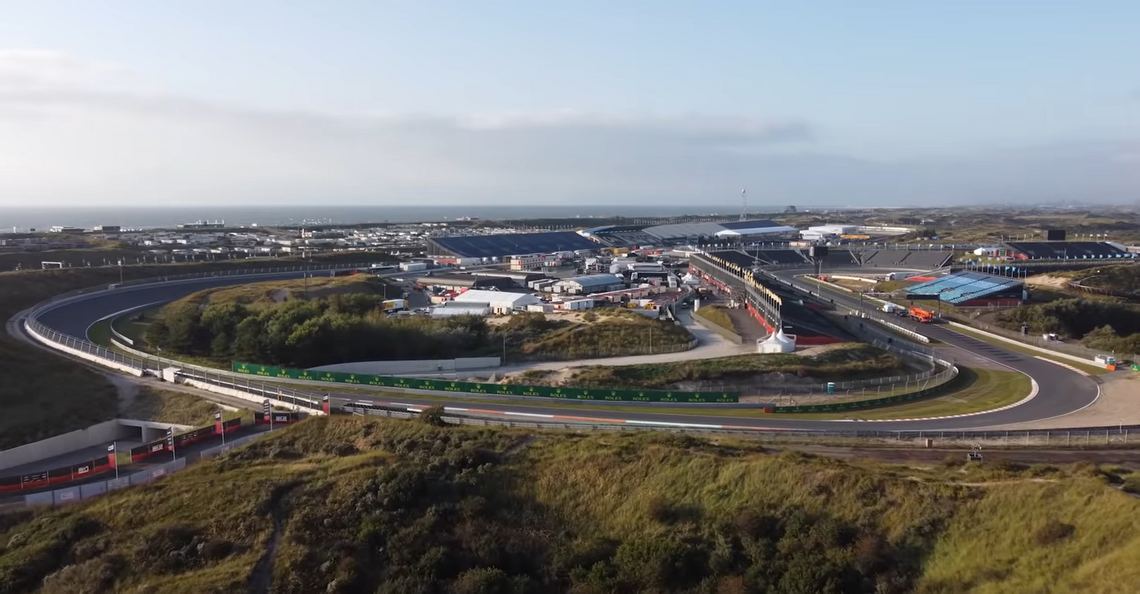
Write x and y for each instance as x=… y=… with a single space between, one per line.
x=597 y=394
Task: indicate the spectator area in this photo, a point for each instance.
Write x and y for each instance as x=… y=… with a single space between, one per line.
x=1067 y=250
x=966 y=286
x=922 y=259
x=779 y=256
x=509 y=244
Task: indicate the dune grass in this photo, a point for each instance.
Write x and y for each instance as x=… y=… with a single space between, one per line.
x=180 y=408
x=397 y=506
x=715 y=314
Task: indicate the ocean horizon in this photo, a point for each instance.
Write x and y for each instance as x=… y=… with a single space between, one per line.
x=22 y=220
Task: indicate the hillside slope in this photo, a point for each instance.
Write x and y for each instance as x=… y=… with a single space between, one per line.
x=361 y=505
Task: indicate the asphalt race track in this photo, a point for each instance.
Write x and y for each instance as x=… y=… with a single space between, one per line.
x=1061 y=390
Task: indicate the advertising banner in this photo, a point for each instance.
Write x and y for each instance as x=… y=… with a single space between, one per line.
x=559 y=393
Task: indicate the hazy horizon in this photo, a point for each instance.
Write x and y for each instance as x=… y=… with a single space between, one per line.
x=130 y=103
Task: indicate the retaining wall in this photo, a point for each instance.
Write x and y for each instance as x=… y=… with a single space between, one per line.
x=81 y=354
x=103 y=433
x=244 y=395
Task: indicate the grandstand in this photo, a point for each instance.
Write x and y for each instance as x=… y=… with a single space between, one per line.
x=970 y=289
x=836 y=257
x=779 y=256
x=704 y=232
x=508 y=244
x=745 y=261
x=1067 y=250
x=620 y=236
x=920 y=259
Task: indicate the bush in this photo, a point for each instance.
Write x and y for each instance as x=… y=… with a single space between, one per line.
x=1053 y=531
x=433 y=416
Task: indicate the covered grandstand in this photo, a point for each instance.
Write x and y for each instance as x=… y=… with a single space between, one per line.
x=508 y=244
x=969 y=289
x=919 y=259
x=692 y=233
x=1067 y=250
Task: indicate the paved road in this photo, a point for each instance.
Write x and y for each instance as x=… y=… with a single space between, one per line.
x=1061 y=390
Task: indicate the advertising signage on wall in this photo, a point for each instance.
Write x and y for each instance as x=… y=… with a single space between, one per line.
x=612 y=395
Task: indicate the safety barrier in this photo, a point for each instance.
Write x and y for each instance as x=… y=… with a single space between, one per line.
x=479 y=388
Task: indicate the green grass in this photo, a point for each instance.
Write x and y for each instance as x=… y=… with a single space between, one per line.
x=403 y=506
x=853 y=361
x=1087 y=368
x=716 y=315
x=177 y=407
x=974 y=390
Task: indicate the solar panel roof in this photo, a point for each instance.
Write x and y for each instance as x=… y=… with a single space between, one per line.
x=514 y=244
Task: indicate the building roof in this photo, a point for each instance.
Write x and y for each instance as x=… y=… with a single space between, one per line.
x=497 y=298
x=739 y=231
x=750 y=224
x=964 y=286
x=684 y=230
x=513 y=244
x=594 y=280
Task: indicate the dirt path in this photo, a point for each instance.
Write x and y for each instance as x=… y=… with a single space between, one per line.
x=127 y=387
x=261 y=579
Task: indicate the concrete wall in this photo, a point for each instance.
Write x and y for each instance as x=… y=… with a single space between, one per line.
x=103 y=433
x=247 y=396
x=408 y=367
x=82 y=355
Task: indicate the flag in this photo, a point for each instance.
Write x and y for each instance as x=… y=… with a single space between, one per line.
x=110 y=448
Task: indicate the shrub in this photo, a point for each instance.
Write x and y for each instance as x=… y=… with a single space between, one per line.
x=433 y=416
x=1053 y=531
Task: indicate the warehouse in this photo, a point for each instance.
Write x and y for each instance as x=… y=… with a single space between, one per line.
x=499 y=302
x=466 y=281
x=590 y=283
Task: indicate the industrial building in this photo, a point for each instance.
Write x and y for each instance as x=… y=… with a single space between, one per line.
x=588 y=284
x=466 y=281
x=499 y=302
x=504 y=245
x=460 y=308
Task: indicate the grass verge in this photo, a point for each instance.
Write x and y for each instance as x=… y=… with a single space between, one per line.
x=716 y=315
x=167 y=406
x=1087 y=368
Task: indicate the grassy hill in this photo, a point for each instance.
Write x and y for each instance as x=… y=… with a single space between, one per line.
x=361 y=505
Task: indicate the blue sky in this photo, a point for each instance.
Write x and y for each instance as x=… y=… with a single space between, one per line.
x=825 y=102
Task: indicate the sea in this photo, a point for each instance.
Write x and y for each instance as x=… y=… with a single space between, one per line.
x=23 y=220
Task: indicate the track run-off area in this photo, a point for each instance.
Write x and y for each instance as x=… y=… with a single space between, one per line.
x=1058 y=390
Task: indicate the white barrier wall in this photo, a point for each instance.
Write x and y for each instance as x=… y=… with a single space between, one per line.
x=103 y=433
x=405 y=367
x=247 y=396
x=82 y=355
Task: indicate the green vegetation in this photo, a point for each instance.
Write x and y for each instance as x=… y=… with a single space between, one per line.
x=251 y=325
x=43 y=394
x=384 y=506
x=1098 y=324
x=1025 y=350
x=974 y=390
x=1124 y=280
x=852 y=361
x=176 y=407
x=717 y=315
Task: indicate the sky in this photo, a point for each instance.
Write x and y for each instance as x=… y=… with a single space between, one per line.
x=873 y=103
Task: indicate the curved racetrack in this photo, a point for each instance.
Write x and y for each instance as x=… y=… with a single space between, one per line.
x=1061 y=390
